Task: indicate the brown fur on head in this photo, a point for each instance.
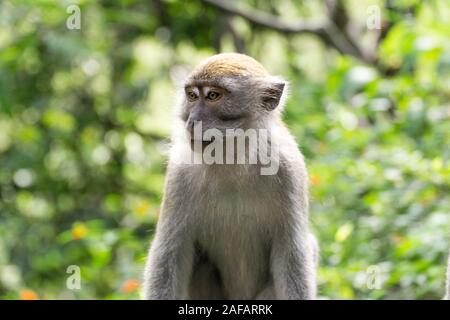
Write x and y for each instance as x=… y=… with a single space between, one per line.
x=229 y=65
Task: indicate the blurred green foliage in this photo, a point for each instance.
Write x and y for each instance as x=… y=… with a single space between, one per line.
x=85 y=119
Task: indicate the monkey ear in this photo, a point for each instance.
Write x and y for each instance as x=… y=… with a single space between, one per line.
x=272 y=93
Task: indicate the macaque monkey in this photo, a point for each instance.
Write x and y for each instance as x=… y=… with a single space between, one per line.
x=231 y=231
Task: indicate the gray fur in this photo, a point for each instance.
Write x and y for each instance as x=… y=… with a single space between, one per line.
x=227 y=232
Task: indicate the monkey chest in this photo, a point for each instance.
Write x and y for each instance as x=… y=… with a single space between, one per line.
x=236 y=227
x=238 y=212
x=236 y=238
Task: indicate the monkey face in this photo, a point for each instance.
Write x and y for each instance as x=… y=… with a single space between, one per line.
x=229 y=91
x=213 y=106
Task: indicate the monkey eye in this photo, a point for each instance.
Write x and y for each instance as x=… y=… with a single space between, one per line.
x=213 y=96
x=191 y=95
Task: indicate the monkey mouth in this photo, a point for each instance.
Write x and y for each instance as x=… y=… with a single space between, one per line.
x=203 y=143
x=203 y=140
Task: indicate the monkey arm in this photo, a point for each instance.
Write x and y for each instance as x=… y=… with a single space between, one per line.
x=293 y=264
x=170 y=259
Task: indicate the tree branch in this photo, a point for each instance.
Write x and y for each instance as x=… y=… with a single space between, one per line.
x=338 y=22
x=266 y=20
x=337 y=13
x=330 y=32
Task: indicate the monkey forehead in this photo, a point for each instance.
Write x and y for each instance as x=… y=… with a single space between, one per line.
x=228 y=65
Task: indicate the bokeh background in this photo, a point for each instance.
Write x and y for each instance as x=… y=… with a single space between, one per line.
x=85 y=116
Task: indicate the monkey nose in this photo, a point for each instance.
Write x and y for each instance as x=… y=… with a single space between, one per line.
x=195 y=129
x=190 y=126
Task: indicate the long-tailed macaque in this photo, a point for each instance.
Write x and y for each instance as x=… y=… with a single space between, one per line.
x=230 y=229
